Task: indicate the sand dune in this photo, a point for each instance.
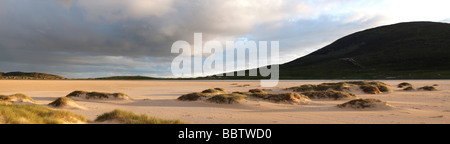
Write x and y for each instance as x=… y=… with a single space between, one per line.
x=159 y=99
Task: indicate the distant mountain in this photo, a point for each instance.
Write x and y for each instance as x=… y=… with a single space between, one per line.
x=29 y=75
x=414 y=50
x=125 y=78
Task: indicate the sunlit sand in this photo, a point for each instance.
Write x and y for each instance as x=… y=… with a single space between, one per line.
x=159 y=99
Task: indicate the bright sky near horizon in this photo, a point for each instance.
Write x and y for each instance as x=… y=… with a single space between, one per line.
x=93 y=38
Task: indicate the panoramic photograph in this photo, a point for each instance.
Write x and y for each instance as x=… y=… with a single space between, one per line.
x=224 y=62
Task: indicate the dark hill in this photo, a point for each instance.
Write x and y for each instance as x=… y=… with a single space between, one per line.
x=28 y=75
x=414 y=50
x=404 y=50
x=126 y=78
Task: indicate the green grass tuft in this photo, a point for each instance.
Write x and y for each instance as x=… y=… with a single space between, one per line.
x=132 y=118
x=35 y=114
x=15 y=98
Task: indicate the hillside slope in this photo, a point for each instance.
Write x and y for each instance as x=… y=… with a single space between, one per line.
x=413 y=50
x=404 y=50
x=29 y=75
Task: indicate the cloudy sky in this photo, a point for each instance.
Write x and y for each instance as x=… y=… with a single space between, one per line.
x=93 y=38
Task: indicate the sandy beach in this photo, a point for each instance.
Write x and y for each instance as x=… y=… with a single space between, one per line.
x=159 y=99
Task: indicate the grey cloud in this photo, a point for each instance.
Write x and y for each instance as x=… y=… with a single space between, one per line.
x=108 y=37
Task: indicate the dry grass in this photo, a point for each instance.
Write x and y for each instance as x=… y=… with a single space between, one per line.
x=409 y=88
x=15 y=98
x=227 y=98
x=404 y=84
x=35 y=114
x=126 y=117
x=364 y=103
x=244 y=85
x=214 y=90
x=193 y=96
x=330 y=94
x=98 y=95
x=428 y=88
x=204 y=94
x=382 y=87
x=370 y=89
x=260 y=91
x=321 y=87
x=340 y=86
x=62 y=102
x=291 y=98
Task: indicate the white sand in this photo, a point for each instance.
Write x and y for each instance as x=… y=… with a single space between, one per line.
x=158 y=98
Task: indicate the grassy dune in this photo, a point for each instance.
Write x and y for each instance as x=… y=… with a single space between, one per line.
x=35 y=114
x=132 y=118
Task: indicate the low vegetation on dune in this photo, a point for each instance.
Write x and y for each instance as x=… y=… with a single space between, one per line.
x=370 y=89
x=193 y=96
x=202 y=95
x=98 y=95
x=330 y=94
x=227 y=98
x=35 y=114
x=125 y=117
x=259 y=91
x=409 y=88
x=214 y=90
x=64 y=102
x=291 y=98
x=404 y=84
x=220 y=96
x=428 y=88
x=341 y=86
x=321 y=87
x=244 y=85
x=383 y=87
x=15 y=98
x=365 y=104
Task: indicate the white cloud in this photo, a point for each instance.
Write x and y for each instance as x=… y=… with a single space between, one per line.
x=416 y=10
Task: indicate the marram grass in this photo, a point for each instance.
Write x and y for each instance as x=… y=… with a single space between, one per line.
x=35 y=114
x=127 y=117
